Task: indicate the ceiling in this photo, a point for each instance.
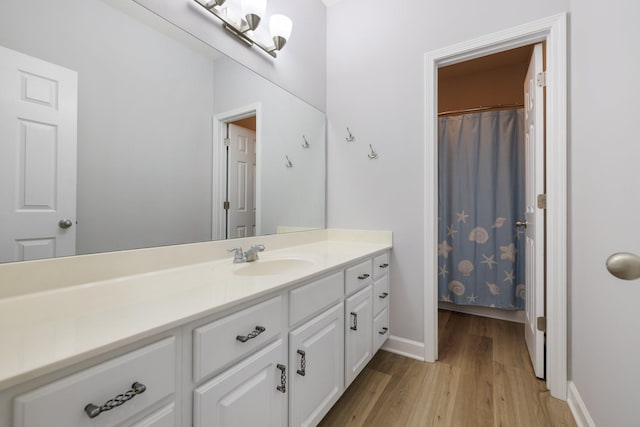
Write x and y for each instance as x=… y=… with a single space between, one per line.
x=513 y=57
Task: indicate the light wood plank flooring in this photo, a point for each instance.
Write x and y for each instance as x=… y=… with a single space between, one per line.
x=483 y=378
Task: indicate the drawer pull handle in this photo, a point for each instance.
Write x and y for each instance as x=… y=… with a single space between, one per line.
x=385 y=265
x=282 y=388
x=383 y=295
x=251 y=335
x=383 y=331
x=303 y=363
x=354 y=325
x=95 y=410
x=363 y=276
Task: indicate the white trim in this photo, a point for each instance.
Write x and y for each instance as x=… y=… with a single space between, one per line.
x=553 y=31
x=578 y=408
x=404 y=347
x=517 y=316
x=218 y=161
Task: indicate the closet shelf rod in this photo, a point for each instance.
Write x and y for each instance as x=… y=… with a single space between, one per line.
x=479 y=109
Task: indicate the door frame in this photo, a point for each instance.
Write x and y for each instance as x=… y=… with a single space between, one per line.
x=218 y=179
x=553 y=30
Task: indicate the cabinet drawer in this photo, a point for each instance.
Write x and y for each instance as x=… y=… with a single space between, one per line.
x=380 y=265
x=380 y=294
x=311 y=298
x=63 y=402
x=165 y=417
x=380 y=329
x=358 y=276
x=218 y=343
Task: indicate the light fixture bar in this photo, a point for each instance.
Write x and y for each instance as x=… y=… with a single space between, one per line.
x=240 y=32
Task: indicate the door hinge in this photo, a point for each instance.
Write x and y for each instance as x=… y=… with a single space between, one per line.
x=227 y=142
x=542 y=201
x=225 y=205
x=542 y=324
x=541 y=79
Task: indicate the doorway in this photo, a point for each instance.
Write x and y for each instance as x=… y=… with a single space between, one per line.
x=236 y=187
x=551 y=30
x=491 y=168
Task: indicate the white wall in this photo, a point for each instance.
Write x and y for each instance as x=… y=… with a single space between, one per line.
x=144 y=121
x=289 y=197
x=604 y=203
x=376 y=87
x=301 y=66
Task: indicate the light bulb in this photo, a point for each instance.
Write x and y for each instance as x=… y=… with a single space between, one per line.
x=254 y=11
x=280 y=27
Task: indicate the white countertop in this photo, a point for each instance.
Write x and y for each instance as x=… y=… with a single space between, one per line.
x=45 y=331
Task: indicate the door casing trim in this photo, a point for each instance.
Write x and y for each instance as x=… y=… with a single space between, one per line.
x=553 y=30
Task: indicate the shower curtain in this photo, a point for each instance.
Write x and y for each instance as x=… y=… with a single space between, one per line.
x=481 y=196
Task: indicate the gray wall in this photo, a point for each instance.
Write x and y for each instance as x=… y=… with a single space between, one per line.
x=300 y=68
x=290 y=197
x=144 y=123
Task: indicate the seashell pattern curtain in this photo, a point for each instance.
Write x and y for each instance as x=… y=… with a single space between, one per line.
x=481 y=196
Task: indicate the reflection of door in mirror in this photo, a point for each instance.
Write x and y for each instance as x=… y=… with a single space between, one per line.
x=38 y=133
x=241 y=179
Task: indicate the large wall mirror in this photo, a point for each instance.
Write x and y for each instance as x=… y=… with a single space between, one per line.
x=120 y=131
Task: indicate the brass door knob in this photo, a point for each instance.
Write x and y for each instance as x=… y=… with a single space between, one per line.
x=521 y=224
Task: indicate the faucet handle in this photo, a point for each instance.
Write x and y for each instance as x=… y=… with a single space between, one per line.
x=258 y=247
x=238 y=255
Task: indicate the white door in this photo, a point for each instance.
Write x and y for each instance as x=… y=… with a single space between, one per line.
x=38 y=133
x=250 y=393
x=358 y=333
x=534 y=246
x=242 y=182
x=316 y=358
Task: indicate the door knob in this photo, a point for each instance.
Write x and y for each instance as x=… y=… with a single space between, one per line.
x=65 y=223
x=521 y=224
x=624 y=265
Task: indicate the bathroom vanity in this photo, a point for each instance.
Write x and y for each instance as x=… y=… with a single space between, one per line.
x=273 y=342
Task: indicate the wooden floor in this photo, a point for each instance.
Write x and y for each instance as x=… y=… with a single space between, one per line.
x=483 y=378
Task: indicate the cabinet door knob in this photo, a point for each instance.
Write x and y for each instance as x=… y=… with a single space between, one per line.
x=282 y=388
x=354 y=324
x=94 y=410
x=251 y=335
x=303 y=363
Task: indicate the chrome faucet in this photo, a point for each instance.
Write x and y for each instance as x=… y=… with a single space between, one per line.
x=249 y=256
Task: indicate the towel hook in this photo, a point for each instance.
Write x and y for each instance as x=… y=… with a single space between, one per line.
x=350 y=138
x=306 y=143
x=288 y=163
x=373 y=154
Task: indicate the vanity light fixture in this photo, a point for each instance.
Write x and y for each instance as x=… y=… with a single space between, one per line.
x=252 y=14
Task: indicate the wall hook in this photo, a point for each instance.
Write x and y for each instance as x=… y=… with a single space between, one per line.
x=306 y=143
x=288 y=164
x=373 y=154
x=350 y=138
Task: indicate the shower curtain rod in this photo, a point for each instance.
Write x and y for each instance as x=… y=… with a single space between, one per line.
x=483 y=108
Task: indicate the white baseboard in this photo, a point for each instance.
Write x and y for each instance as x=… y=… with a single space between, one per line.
x=404 y=347
x=494 y=313
x=578 y=408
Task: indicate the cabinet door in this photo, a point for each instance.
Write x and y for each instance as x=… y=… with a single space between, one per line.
x=246 y=394
x=316 y=355
x=358 y=335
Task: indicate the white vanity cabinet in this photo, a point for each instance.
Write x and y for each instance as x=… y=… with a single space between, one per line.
x=281 y=358
x=106 y=394
x=316 y=360
x=251 y=393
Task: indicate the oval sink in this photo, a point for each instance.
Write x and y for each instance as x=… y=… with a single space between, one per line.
x=272 y=267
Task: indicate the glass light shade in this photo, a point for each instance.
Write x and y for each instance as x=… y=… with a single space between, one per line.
x=254 y=7
x=280 y=26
